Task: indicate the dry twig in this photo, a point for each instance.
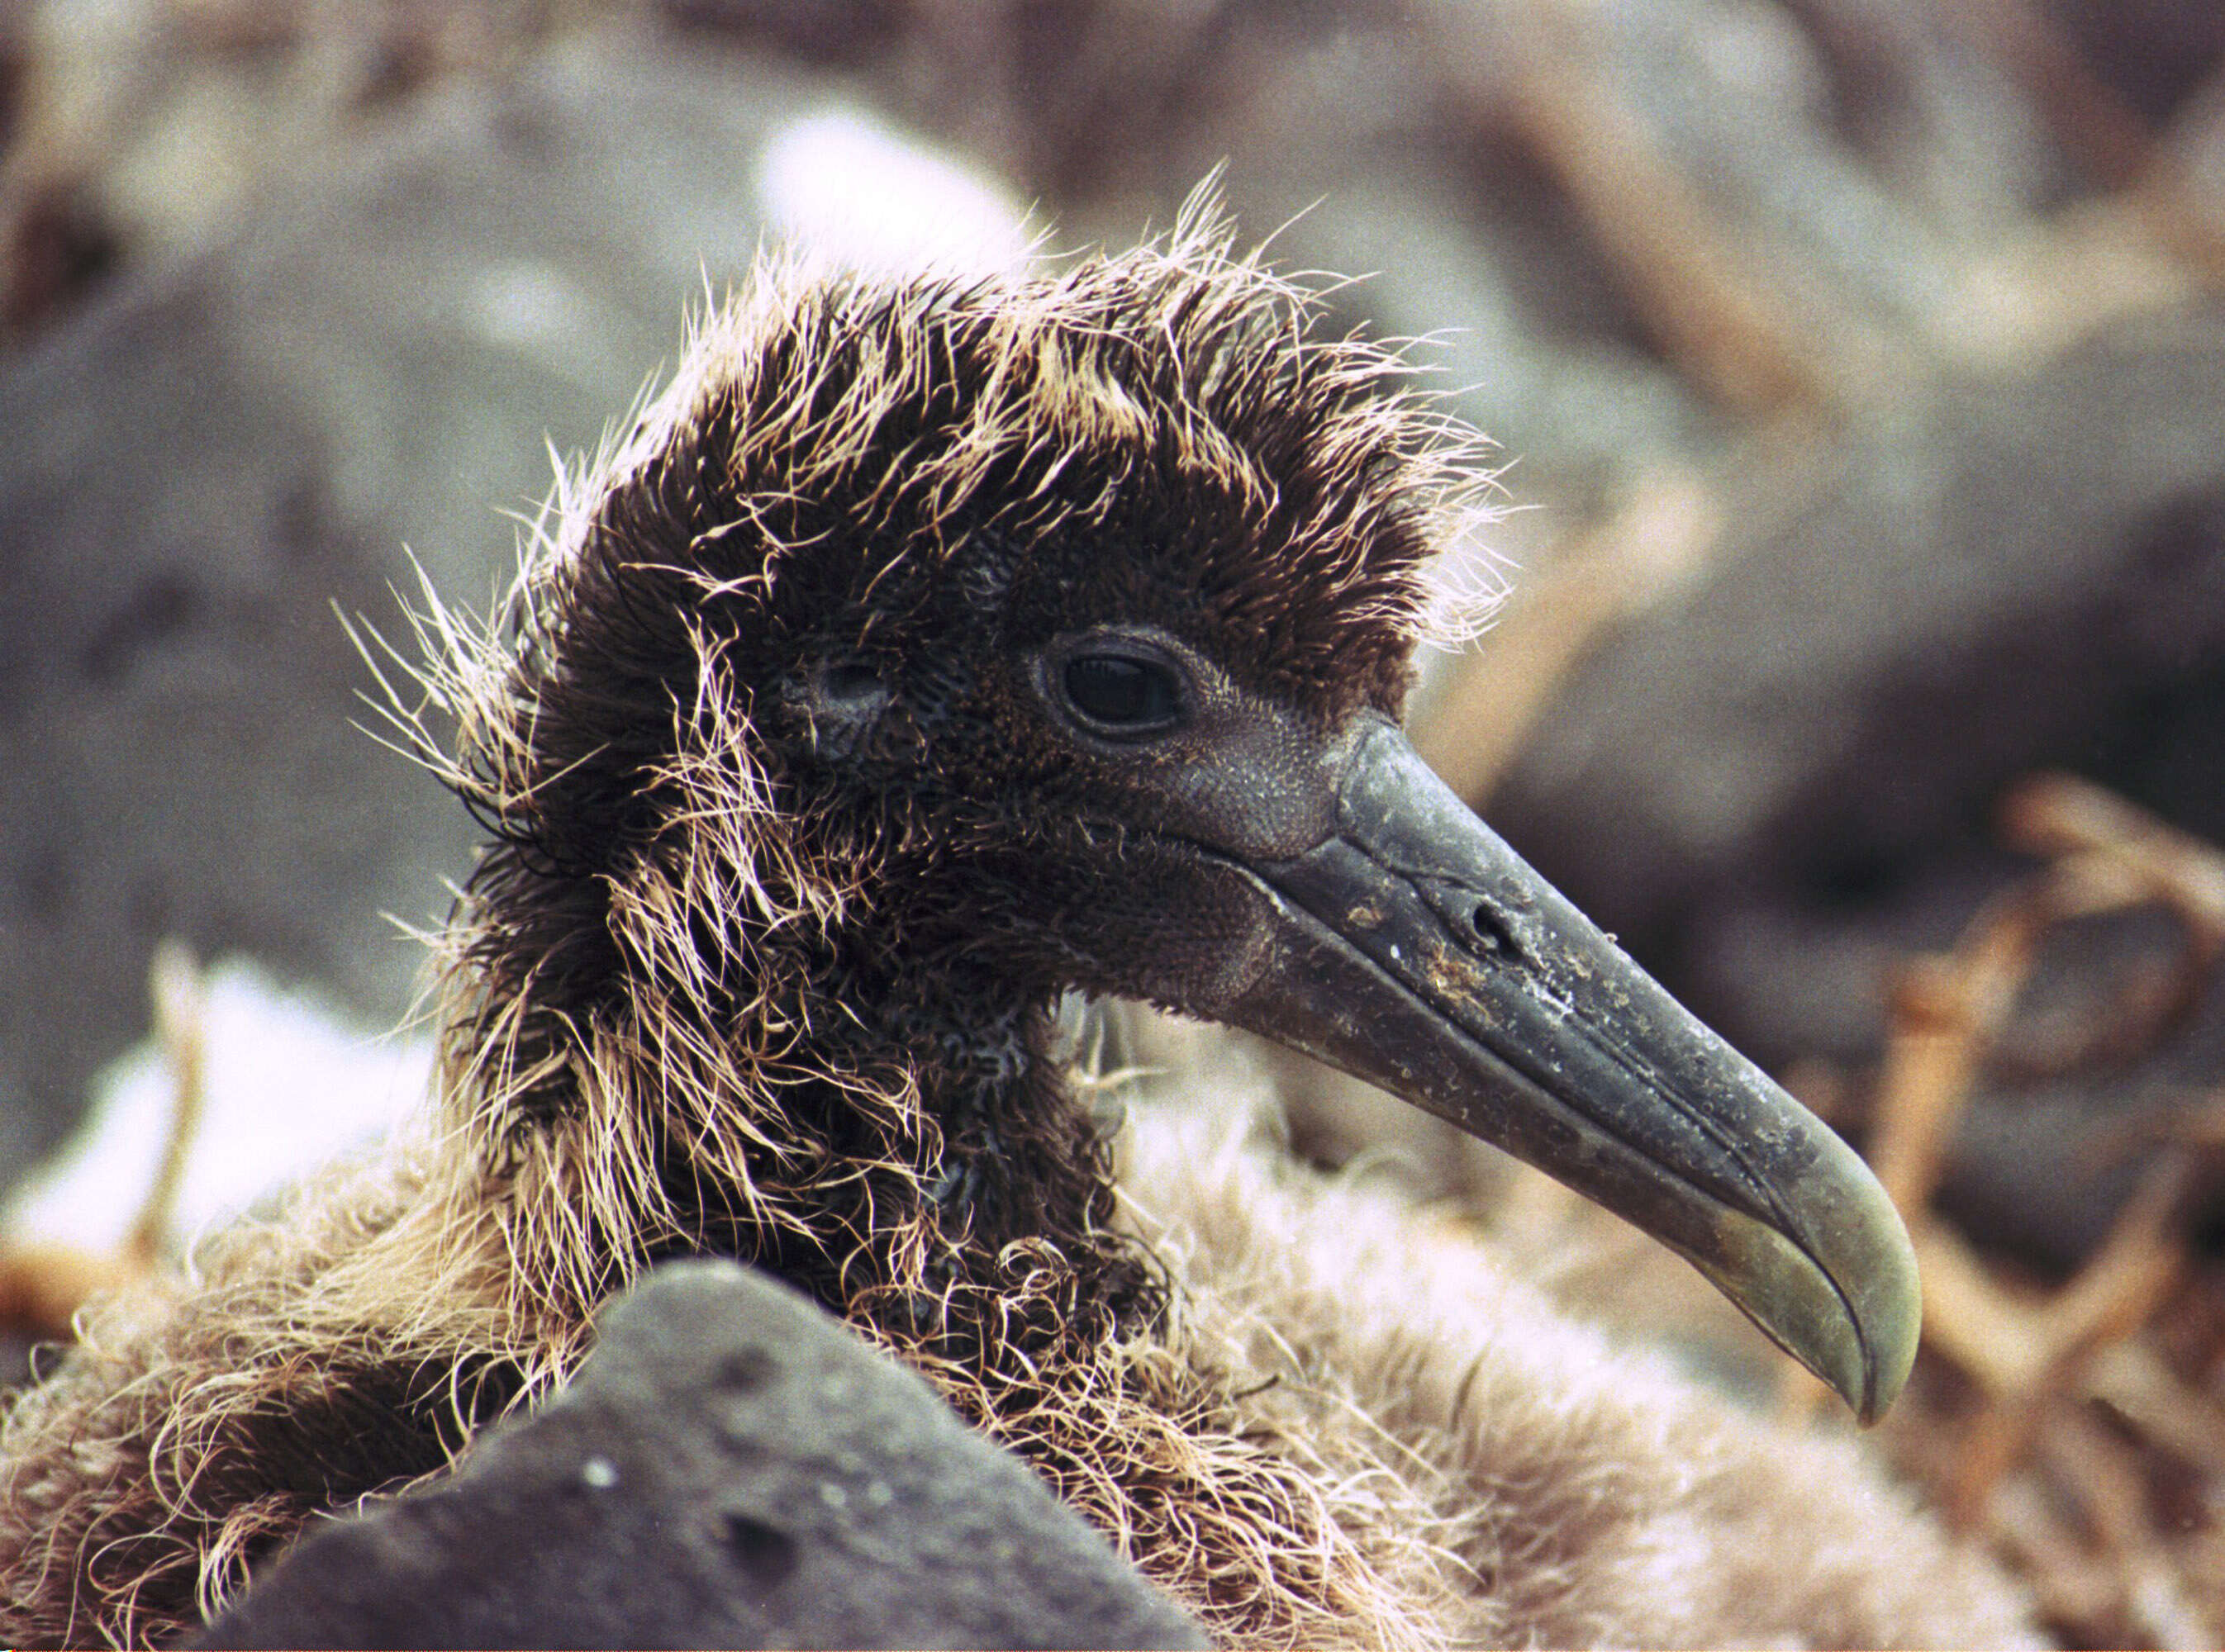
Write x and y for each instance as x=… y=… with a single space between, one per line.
x=1713 y=312
x=2039 y=1360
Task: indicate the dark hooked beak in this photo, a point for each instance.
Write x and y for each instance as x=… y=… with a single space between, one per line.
x=1417 y=951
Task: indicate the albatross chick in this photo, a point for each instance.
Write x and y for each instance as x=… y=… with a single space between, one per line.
x=925 y=651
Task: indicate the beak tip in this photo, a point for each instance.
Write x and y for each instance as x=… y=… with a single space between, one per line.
x=1844 y=1299
x=1890 y=1322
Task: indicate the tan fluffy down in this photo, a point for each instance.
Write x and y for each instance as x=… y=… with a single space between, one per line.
x=1583 y=1493
x=1493 y=1473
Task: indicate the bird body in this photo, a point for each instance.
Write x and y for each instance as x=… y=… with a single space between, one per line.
x=928 y=650
x=1330 y=1446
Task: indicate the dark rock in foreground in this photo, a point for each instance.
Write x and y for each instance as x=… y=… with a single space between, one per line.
x=731 y=1468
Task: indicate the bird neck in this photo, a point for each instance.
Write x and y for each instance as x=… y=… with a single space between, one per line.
x=676 y=1068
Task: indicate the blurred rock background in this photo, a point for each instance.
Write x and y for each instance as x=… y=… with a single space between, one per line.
x=1860 y=365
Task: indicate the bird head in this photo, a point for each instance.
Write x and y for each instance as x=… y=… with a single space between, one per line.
x=1052 y=633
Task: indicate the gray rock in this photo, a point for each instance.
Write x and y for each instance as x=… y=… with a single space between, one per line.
x=206 y=462
x=731 y=1468
x=1993 y=577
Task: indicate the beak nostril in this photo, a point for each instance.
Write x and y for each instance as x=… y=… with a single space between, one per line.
x=1489 y=933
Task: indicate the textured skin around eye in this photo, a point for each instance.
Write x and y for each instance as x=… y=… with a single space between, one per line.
x=1122 y=693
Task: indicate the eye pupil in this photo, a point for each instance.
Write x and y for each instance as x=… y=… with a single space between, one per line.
x=1122 y=693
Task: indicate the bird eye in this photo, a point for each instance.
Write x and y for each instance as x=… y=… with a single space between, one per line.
x=1119 y=694
x=849 y=684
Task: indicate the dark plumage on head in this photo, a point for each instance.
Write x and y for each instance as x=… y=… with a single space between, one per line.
x=862 y=504
x=776 y=717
